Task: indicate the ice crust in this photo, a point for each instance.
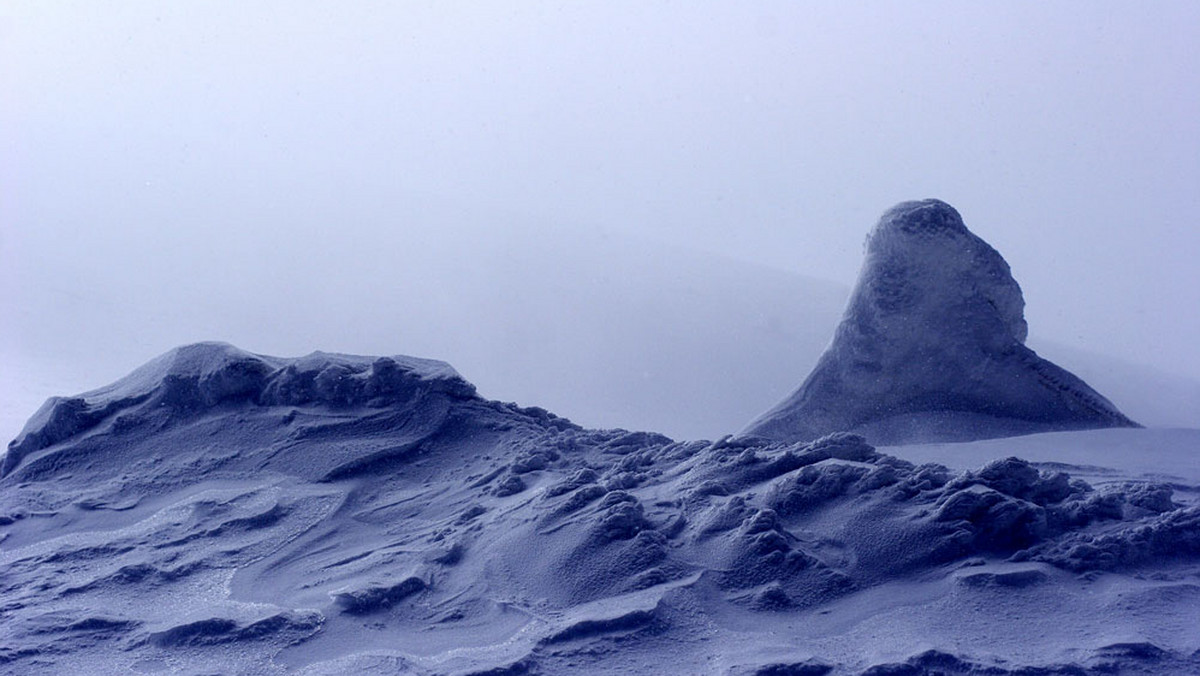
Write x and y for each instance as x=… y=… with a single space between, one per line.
x=224 y=512
x=931 y=348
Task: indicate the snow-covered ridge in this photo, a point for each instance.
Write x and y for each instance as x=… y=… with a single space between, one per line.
x=202 y=376
x=256 y=527
x=931 y=346
x=228 y=512
x=335 y=514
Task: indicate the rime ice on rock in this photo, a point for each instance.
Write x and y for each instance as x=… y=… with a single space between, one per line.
x=931 y=347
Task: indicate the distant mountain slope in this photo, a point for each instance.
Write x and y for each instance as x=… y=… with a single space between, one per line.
x=598 y=326
x=1150 y=396
x=606 y=329
x=611 y=331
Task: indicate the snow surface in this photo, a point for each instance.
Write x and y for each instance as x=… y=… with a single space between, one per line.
x=932 y=347
x=225 y=512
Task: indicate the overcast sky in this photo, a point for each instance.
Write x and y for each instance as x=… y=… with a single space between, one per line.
x=178 y=171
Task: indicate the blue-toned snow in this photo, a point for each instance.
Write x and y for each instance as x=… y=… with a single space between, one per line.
x=223 y=512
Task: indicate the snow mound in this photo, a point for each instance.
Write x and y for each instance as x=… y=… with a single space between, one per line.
x=223 y=512
x=931 y=347
x=194 y=379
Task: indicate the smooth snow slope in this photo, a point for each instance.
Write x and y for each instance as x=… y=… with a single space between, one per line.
x=224 y=512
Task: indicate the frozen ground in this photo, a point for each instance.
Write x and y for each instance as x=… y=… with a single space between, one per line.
x=219 y=511
x=223 y=512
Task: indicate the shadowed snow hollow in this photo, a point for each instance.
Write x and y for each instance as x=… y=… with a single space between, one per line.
x=932 y=347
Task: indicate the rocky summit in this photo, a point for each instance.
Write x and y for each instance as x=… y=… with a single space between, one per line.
x=932 y=348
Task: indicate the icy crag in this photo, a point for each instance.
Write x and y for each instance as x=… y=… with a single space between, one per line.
x=931 y=347
x=223 y=512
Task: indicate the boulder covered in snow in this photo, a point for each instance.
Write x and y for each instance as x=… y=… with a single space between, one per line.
x=932 y=347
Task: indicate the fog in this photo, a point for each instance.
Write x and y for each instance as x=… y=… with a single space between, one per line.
x=588 y=189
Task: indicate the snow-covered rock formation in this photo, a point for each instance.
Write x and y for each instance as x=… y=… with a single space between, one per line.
x=931 y=347
x=219 y=511
x=200 y=379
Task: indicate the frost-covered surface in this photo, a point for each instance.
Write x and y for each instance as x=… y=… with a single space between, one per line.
x=207 y=375
x=931 y=347
x=224 y=512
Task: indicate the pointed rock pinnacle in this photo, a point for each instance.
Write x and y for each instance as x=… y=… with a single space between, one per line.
x=932 y=348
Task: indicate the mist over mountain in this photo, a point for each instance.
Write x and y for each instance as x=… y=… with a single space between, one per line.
x=602 y=327
x=608 y=329
x=436 y=339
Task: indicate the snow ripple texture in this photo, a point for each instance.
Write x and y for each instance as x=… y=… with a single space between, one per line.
x=224 y=512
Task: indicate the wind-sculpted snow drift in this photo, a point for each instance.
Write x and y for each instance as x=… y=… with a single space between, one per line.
x=224 y=512
x=931 y=347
